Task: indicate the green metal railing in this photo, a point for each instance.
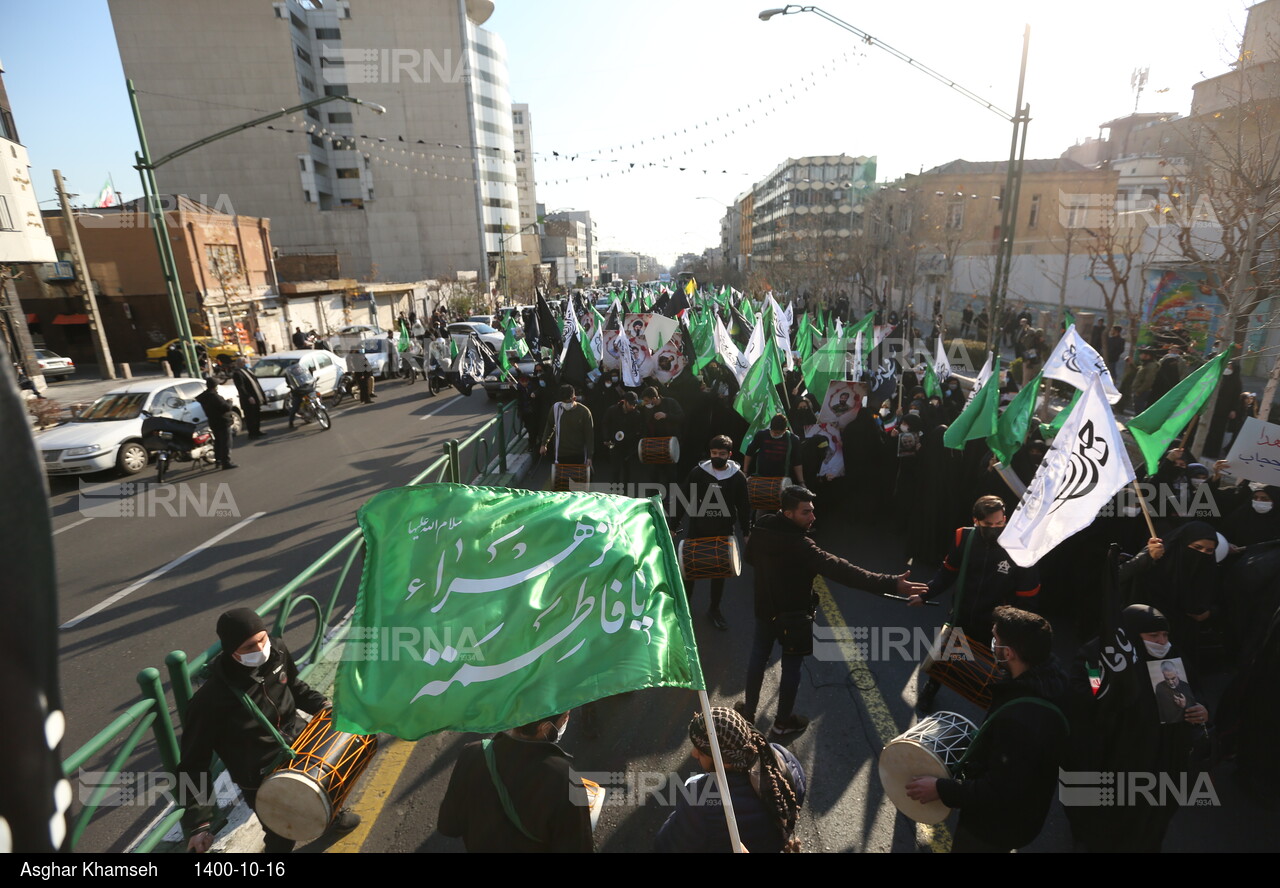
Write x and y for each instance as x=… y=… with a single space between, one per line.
x=480 y=459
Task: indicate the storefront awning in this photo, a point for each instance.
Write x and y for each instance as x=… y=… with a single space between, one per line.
x=32 y=318
x=71 y=319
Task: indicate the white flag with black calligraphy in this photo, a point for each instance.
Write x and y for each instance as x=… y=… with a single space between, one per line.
x=730 y=355
x=1080 y=474
x=1074 y=361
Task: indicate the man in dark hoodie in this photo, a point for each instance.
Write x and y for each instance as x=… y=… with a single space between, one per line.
x=219 y=721
x=786 y=560
x=716 y=501
x=1010 y=774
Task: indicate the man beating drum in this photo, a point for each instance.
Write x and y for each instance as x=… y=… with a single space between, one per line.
x=1007 y=778
x=253 y=670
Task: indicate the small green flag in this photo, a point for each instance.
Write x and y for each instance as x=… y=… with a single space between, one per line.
x=758 y=400
x=1049 y=430
x=1165 y=419
x=978 y=419
x=403 y=345
x=826 y=365
x=804 y=338
x=1011 y=430
x=508 y=344
x=482 y=609
x=453 y=348
x=702 y=329
x=748 y=312
x=932 y=386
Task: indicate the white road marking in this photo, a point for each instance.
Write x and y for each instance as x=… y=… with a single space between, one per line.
x=438 y=409
x=129 y=590
x=69 y=526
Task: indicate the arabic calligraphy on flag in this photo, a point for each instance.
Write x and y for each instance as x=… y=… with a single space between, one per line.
x=481 y=609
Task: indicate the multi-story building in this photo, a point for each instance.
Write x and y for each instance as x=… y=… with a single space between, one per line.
x=590 y=259
x=22 y=235
x=425 y=190
x=564 y=246
x=808 y=205
x=526 y=182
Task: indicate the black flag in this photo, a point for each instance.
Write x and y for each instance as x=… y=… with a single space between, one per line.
x=548 y=329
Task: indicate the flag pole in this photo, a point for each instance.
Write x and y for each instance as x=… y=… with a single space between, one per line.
x=1145 y=512
x=723 y=780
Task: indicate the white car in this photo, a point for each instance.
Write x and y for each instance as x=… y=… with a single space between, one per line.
x=326 y=367
x=109 y=433
x=54 y=366
x=484 y=331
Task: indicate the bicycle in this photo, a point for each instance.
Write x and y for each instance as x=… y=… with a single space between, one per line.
x=312 y=409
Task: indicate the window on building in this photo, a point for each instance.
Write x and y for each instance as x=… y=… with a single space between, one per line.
x=326 y=62
x=313 y=113
x=307 y=84
x=306 y=195
x=302 y=162
x=297 y=23
x=1076 y=215
x=518 y=117
x=302 y=54
x=336 y=89
x=328 y=33
x=348 y=172
x=6 y=217
x=340 y=117
x=7 y=129
x=224 y=263
x=1033 y=219
x=353 y=203
x=955 y=215
x=344 y=144
x=317 y=141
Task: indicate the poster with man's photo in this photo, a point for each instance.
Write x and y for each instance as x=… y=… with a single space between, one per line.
x=842 y=402
x=1173 y=694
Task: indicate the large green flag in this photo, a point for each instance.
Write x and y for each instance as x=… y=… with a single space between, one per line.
x=402 y=345
x=978 y=419
x=1165 y=419
x=1011 y=430
x=748 y=312
x=804 y=338
x=481 y=609
x=508 y=344
x=826 y=364
x=758 y=400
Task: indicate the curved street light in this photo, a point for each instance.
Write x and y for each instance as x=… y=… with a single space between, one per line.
x=1017 y=146
x=146 y=168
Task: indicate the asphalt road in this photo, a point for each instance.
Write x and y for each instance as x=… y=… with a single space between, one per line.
x=141 y=574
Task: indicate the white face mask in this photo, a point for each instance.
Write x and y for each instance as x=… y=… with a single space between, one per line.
x=1197 y=482
x=560 y=731
x=1159 y=651
x=255 y=659
x=995 y=647
x=1262 y=507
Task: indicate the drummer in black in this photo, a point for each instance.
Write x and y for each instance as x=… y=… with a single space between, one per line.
x=715 y=501
x=775 y=452
x=254 y=671
x=663 y=418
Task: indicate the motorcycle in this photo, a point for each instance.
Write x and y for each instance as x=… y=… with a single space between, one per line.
x=437 y=379
x=172 y=440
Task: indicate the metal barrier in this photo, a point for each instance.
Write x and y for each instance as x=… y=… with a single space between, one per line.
x=486 y=450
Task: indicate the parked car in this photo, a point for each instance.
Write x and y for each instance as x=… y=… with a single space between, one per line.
x=486 y=319
x=501 y=385
x=109 y=433
x=350 y=337
x=214 y=347
x=54 y=366
x=484 y=331
x=325 y=366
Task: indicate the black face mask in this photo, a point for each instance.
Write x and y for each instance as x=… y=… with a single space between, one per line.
x=719 y=462
x=990 y=534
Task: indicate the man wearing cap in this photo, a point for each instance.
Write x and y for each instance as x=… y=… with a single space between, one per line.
x=219 y=720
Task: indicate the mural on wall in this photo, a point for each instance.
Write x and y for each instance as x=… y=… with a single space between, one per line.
x=1182 y=297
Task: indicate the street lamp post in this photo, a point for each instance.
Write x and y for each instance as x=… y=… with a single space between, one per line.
x=1017 y=147
x=147 y=167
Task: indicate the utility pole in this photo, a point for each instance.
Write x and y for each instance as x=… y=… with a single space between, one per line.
x=100 y=348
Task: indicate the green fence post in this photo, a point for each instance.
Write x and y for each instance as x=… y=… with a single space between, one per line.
x=180 y=681
x=455 y=461
x=149 y=681
x=502 y=438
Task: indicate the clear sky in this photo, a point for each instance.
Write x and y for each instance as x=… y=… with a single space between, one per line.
x=607 y=75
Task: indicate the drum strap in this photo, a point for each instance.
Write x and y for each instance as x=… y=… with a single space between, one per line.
x=287 y=752
x=977 y=738
x=505 y=797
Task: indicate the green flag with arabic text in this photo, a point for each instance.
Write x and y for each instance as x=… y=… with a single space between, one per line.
x=482 y=609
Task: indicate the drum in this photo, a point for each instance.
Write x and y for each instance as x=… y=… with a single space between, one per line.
x=568 y=476
x=962 y=664
x=765 y=492
x=932 y=748
x=302 y=797
x=659 y=451
x=709 y=558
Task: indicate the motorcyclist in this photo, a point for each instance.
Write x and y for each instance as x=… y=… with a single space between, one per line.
x=302 y=383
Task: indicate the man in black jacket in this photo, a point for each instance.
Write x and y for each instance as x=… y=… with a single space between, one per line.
x=716 y=500
x=252 y=397
x=1011 y=773
x=545 y=807
x=786 y=560
x=218 y=411
x=218 y=721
